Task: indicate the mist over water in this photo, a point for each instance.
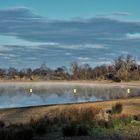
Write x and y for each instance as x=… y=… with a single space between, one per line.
x=18 y=95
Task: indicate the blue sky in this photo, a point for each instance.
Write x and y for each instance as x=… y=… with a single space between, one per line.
x=61 y=32
x=65 y=9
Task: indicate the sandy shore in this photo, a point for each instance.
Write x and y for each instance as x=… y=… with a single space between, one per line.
x=71 y=83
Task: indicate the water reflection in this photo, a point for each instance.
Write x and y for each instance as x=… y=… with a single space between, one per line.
x=18 y=96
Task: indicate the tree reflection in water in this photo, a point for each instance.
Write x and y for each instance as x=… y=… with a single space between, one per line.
x=17 y=95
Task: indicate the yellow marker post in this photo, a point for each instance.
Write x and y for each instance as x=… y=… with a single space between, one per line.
x=31 y=90
x=74 y=90
x=128 y=91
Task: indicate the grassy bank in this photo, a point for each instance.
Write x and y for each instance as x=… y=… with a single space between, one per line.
x=22 y=115
x=76 y=122
x=118 y=119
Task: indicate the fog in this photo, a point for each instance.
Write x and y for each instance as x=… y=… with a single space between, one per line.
x=43 y=93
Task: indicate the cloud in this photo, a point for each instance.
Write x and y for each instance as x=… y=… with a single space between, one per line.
x=24 y=35
x=121 y=14
x=13 y=40
x=133 y=35
x=23 y=23
x=81 y=46
x=83 y=58
x=17 y=13
x=95 y=46
x=5 y=48
x=67 y=53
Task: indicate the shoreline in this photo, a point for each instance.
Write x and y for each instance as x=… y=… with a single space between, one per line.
x=68 y=104
x=72 y=83
x=23 y=115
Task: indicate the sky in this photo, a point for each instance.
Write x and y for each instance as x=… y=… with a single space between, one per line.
x=61 y=32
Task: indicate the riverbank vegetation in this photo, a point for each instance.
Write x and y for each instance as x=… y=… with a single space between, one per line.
x=124 y=68
x=76 y=122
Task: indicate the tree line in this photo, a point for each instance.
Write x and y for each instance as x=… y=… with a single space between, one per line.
x=124 y=68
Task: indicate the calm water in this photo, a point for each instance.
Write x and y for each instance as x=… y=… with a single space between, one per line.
x=12 y=95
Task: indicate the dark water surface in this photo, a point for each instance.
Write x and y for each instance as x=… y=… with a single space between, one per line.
x=18 y=95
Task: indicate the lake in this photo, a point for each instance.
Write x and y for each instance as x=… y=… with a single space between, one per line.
x=19 y=95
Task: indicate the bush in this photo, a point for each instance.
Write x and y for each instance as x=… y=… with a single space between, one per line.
x=84 y=114
x=117 y=108
x=109 y=124
x=38 y=126
x=2 y=124
x=105 y=124
x=70 y=130
x=2 y=134
x=83 y=130
x=74 y=129
x=23 y=133
x=88 y=114
x=137 y=117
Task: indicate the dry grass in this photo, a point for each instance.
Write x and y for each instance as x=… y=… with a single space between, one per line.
x=121 y=116
x=71 y=120
x=22 y=115
x=74 y=113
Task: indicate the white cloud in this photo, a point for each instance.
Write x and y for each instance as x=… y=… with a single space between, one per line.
x=133 y=36
x=94 y=46
x=83 y=58
x=68 y=53
x=121 y=13
x=83 y=46
x=104 y=63
x=124 y=52
x=5 y=48
x=12 y=40
x=83 y=62
x=32 y=58
x=102 y=58
x=6 y=57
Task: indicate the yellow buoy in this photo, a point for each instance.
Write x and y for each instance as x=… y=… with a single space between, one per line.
x=74 y=91
x=128 y=90
x=31 y=90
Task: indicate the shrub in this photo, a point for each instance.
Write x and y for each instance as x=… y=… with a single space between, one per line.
x=2 y=134
x=2 y=124
x=105 y=124
x=88 y=114
x=38 y=126
x=23 y=133
x=74 y=129
x=137 y=117
x=117 y=108
x=109 y=124
x=69 y=130
x=85 y=114
x=83 y=130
